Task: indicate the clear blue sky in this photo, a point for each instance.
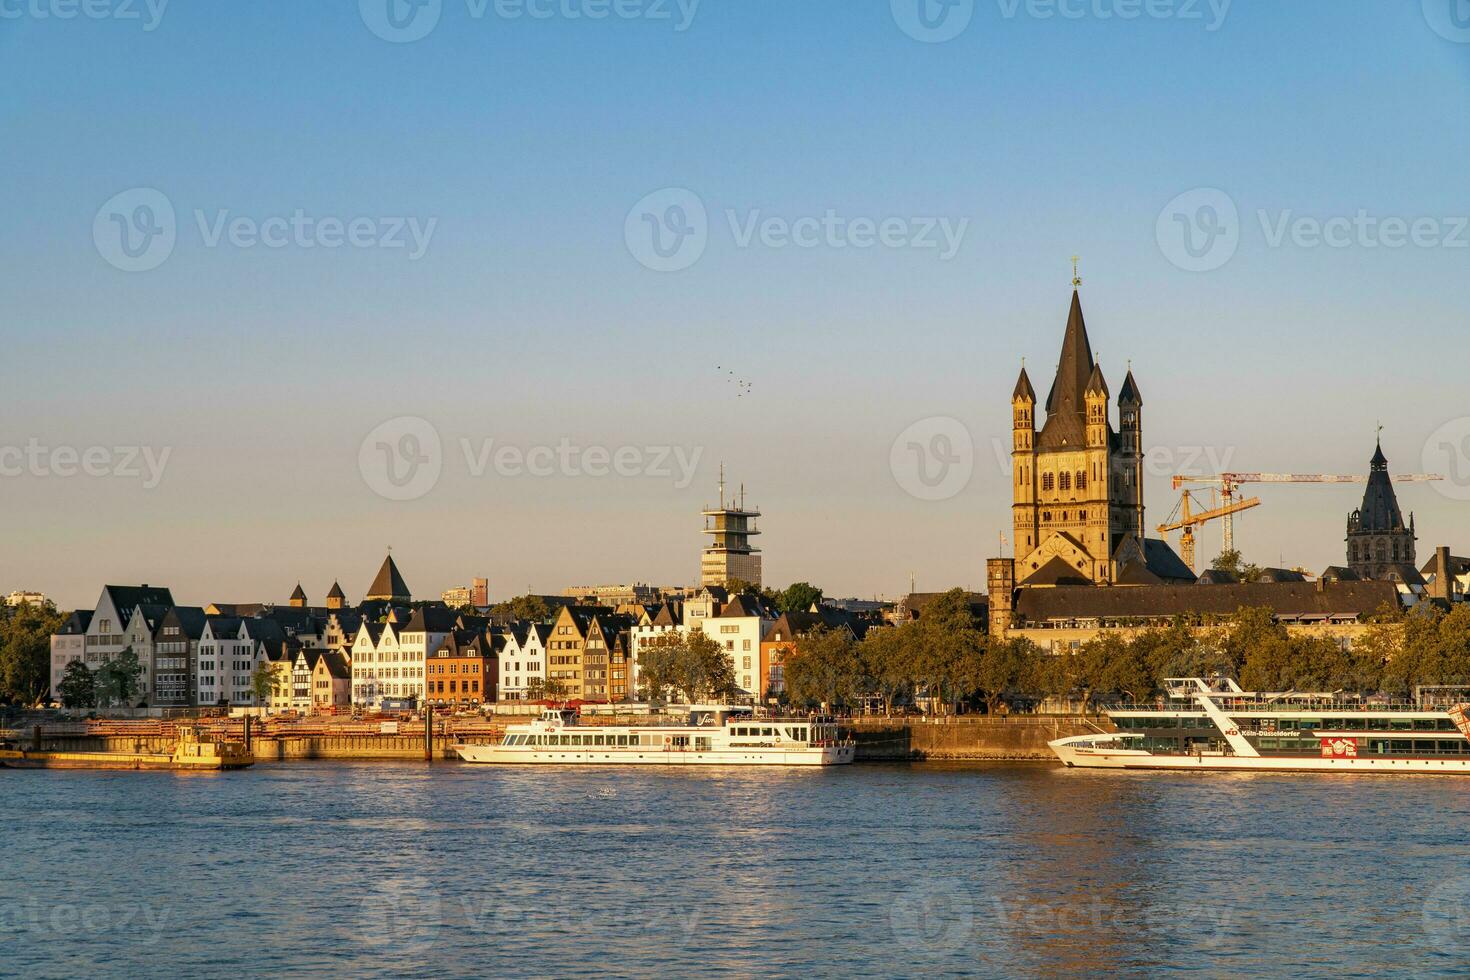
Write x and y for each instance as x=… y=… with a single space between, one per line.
x=528 y=320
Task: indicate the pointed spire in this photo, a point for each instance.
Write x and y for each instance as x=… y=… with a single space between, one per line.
x=1024 y=391
x=300 y=593
x=1066 y=402
x=1129 y=394
x=389 y=584
x=1096 y=383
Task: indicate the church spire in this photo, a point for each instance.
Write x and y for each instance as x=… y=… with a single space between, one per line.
x=1066 y=403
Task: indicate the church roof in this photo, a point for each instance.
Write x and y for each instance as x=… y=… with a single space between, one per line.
x=1056 y=572
x=1380 y=508
x=1024 y=389
x=389 y=584
x=299 y=593
x=336 y=592
x=1096 y=382
x=1066 y=424
x=1129 y=395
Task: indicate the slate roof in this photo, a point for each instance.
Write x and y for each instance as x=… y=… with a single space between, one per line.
x=125 y=598
x=1380 y=508
x=1023 y=388
x=191 y=620
x=431 y=619
x=336 y=592
x=1066 y=405
x=1338 y=573
x=1281 y=575
x=1128 y=394
x=1458 y=566
x=1216 y=576
x=389 y=584
x=299 y=593
x=77 y=623
x=337 y=665
x=1288 y=599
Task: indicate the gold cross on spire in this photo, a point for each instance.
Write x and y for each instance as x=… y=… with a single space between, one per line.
x=1076 y=279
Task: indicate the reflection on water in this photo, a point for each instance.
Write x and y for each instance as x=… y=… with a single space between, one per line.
x=448 y=870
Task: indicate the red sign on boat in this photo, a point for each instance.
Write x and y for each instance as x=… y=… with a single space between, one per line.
x=1339 y=748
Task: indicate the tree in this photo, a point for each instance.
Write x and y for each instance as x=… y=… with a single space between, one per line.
x=688 y=665
x=25 y=651
x=528 y=608
x=118 y=680
x=1232 y=562
x=1007 y=669
x=535 y=689
x=77 y=688
x=826 y=668
x=798 y=597
x=263 y=681
x=945 y=646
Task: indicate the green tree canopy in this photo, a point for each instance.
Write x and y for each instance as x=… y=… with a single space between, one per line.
x=77 y=687
x=529 y=608
x=25 y=651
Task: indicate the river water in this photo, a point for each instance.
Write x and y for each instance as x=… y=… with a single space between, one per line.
x=867 y=870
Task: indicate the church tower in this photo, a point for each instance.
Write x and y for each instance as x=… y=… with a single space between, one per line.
x=1377 y=539
x=1077 y=509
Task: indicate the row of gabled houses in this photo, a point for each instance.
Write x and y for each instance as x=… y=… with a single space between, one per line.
x=389 y=652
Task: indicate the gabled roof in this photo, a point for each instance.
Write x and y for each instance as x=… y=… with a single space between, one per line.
x=1403 y=572
x=431 y=619
x=1165 y=563
x=1066 y=420
x=1281 y=575
x=336 y=664
x=77 y=623
x=1337 y=573
x=1057 y=572
x=1217 y=576
x=744 y=605
x=224 y=626
x=389 y=585
x=1096 y=383
x=1458 y=566
x=125 y=598
x=152 y=614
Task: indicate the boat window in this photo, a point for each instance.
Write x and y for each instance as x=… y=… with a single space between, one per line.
x=1400 y=724
x=1424 y=724
x=1403 y=745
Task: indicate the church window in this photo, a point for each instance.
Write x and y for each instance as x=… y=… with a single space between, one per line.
x=1066 y=481
x=1046 y=516
x=1082 y=515
x=1048 y=481
x=1081 y=479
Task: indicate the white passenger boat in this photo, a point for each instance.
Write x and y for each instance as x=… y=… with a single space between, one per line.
x=1201 y=725
x=723 y=740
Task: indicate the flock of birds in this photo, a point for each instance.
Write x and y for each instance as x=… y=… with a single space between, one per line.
x=742 y=386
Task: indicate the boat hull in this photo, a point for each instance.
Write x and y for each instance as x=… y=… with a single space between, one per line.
x=833 y=755
x=1084 y=758
x=15 y=759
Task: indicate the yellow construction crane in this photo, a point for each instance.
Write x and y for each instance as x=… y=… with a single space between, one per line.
x=1184 y=520
x=1229 y=484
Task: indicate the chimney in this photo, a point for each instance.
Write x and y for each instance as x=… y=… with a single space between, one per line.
x=1443 y=587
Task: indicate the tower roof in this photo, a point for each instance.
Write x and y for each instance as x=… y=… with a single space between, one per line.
x=1066 y=424
x=336 y=592
x=1096 y=382
x=299 y=593
x=1129 y=394
x=1023 y=388
x=1380 y=509
x=389 y=584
